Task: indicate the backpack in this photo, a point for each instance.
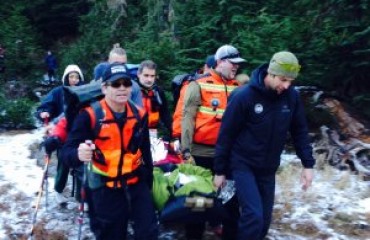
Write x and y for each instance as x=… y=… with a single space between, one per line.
x=132 y=71
x=78 y=97
x=177 y=83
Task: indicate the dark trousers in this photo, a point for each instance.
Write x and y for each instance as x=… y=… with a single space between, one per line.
x=255 y=191
x=111 y=208
x=61 y=176
x=77 y=174
x=51 y=73
x=196 y=230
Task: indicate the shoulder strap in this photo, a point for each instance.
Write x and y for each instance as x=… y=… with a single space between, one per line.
x=99 y=115
x=135 y=111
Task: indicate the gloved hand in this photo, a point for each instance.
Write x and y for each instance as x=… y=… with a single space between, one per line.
x=51 y=144
x=188 y=158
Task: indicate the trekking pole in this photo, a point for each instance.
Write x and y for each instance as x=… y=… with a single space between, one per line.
x=80 y=218
x=41 y=189
x=46 y=175
x=44 y=181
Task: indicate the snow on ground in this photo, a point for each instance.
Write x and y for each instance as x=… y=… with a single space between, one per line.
x=20 y=180
x=337 y=207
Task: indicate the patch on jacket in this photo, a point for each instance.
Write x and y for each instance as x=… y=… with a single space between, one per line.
x=258 y=108
x=285 y=109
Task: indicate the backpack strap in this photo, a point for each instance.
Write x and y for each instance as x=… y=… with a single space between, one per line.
x=135 y=111
x=99 y=115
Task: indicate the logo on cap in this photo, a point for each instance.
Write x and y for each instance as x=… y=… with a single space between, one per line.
x=118 y=69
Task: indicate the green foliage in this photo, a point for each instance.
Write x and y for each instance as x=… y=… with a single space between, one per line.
x=330 y=38
x=57 y=19
x=16 y=113
x=19 y=39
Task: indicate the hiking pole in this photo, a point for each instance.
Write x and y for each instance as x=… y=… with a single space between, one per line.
x=46 y=175
x=80 y=218
x=44 y=180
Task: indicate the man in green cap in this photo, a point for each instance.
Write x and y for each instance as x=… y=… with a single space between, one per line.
x=252 y=136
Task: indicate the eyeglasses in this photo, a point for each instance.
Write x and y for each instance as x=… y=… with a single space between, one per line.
x=116 y=84
x=289 y=67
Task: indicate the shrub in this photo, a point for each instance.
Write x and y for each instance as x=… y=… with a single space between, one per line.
x=16 y=113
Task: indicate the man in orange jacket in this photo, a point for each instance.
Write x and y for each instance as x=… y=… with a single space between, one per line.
x=205 y=101
x=119 y=162
x=154 y=99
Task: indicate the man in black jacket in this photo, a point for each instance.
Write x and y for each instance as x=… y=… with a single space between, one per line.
x=252 y=137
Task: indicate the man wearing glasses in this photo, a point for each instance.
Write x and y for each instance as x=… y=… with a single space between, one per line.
x=111 y=137
x=205 y=101
x=252 y=137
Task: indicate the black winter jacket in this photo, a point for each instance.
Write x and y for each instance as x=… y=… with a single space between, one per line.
x=255 y=126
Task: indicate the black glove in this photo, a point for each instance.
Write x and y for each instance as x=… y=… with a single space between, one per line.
x=51 y=144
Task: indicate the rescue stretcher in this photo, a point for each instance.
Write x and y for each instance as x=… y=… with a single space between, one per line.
x=199 y=203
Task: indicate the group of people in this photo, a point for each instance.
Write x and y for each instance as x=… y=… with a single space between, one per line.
x=238 y=132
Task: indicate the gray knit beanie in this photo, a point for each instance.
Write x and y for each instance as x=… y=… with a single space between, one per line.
x=284 y=64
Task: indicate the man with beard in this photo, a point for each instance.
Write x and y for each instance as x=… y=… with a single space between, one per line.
x=205 y=101
x=252 y=137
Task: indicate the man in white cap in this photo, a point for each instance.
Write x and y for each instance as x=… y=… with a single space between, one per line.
x=205 y=101
x=252 y=137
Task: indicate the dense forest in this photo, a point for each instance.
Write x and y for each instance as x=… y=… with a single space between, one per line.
x=331 y=39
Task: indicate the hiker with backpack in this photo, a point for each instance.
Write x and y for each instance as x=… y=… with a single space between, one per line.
x=119 y=55
x=154 y=99
x=118 y=160
x=179 y=84
x=52 y=108
x=205 y=100
x=253 y=133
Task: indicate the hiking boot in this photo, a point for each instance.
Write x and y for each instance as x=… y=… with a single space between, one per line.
x=60 y=198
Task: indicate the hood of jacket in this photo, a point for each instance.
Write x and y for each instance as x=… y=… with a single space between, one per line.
x=68 y=70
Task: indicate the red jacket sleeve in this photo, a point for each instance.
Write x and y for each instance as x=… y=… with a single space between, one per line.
x=60 y=130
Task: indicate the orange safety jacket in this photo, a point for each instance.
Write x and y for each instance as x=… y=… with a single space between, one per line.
x=113 y=159
x=214 y=93
x=152 y=110
x=177 y=115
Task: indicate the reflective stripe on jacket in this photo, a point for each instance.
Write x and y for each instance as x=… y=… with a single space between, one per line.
x=214 y=94
x=113 y=158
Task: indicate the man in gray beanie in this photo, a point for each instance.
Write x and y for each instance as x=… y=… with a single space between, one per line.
x=252 y=136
